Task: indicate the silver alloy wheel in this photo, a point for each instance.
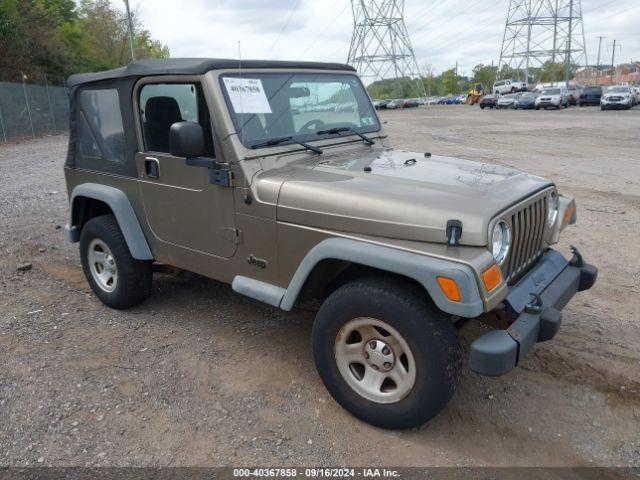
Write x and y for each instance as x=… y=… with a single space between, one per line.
x=102 y=265
x=375 y=360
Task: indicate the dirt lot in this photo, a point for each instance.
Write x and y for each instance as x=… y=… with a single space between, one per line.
x=198 y=375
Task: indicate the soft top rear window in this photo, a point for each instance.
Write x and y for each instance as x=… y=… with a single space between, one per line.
x=100 y=133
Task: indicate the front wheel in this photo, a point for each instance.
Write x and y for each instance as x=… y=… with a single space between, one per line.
x=119 y=280
x=385 y=352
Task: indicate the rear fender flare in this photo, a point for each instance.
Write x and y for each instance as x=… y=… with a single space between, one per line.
x=121 y=207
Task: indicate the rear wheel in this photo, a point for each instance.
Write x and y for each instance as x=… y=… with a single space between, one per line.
x=119 y=280
x=385 y=353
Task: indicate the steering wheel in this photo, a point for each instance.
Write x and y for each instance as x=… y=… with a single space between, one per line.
x=306 y=128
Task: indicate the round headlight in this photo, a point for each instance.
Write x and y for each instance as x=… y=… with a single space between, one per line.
x=500 y=241
x=552 y=216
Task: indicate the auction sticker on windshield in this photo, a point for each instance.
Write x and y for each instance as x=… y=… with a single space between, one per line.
x=247 y=95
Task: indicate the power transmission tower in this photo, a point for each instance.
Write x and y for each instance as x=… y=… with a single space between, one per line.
x=539 y=31
x=380 y=45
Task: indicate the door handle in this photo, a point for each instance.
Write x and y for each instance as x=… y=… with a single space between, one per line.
x=152 y=167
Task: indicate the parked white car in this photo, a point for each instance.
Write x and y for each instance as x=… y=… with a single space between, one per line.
x=618 y=97
x=636 y=92
x=509 y=86
x=552 y=97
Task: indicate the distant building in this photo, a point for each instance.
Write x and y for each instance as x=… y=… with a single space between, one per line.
x=622 y=74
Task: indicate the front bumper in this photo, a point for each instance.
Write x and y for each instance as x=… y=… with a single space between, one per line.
x=537 y=300
x=616 y=105
x=548 y=104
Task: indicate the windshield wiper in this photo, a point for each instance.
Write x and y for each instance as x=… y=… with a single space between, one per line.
x=278 y=140
x=331 y=131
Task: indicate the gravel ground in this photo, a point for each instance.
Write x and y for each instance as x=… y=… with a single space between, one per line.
x=201 y=376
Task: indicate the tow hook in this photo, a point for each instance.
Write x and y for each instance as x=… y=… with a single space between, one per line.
x=576 y=260
x=534 y=307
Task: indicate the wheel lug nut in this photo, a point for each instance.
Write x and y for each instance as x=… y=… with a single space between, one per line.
x=372 y=344
x=387 y=365
x=375 y=367
x=366 y=355
x=386 y=351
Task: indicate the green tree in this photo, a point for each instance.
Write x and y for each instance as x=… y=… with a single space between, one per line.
x=449 y=82
x=485 y=74
x=105 y=37
x=58 y=37
x=32 y=37
x=552 y=72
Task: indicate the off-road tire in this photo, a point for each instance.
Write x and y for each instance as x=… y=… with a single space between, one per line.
x=134 y=276
x=430 y=335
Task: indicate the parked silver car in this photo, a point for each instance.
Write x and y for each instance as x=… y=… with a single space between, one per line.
x=552 y=97
x=617 y=97
x=508 y=101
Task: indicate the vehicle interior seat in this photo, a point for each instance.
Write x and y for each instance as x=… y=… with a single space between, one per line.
x=159 y=114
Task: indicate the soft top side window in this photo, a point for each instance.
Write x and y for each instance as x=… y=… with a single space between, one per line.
x=163 y=104
x=100 y=132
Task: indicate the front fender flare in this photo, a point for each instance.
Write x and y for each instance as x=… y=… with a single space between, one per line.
x=123 y=211
x=424 y=269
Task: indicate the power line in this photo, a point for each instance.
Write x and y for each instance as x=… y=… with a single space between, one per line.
x=286 y=24
x=313 y=42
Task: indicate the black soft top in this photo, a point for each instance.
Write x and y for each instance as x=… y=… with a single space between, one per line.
x=193 y=66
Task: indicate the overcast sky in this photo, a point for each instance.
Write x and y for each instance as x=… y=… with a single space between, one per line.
x=442 y=32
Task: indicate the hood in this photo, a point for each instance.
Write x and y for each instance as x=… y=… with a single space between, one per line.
x=404 y=196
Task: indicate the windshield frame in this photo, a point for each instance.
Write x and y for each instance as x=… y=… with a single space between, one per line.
x=295 y=138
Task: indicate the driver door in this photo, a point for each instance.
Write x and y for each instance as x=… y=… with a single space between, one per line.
x=182 y=207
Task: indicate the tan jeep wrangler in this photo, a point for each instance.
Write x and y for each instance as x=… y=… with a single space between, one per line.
x=278 y=178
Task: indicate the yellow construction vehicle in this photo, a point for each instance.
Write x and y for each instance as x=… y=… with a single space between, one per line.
x=476 y=94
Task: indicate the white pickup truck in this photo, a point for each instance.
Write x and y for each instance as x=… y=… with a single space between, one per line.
x=502 y=87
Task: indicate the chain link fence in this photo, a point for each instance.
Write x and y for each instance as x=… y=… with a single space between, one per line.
x=33 y=107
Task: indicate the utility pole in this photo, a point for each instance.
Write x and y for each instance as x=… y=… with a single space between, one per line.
x=567 y=58
x=600 y=38
x=613 y=57
x=132 y=36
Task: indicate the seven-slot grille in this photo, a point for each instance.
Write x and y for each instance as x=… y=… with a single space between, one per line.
x=527 y=233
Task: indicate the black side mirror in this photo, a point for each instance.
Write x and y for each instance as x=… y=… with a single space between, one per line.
x=186 y=139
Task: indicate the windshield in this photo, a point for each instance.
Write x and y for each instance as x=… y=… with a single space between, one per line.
x=552 y=91
x=265 y=106
x=618 y=90
x=528 y=96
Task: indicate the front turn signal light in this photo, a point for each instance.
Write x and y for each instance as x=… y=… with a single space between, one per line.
x=450 y=288
x=492 y=277
x=568 y=214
